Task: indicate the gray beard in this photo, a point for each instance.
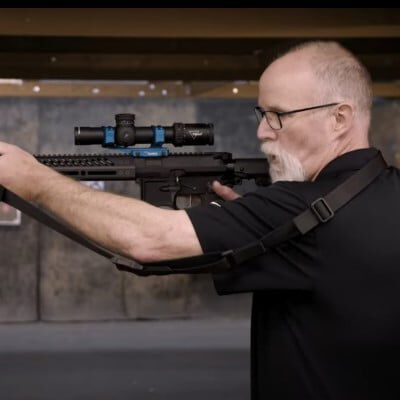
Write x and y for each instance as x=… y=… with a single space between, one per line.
x=282 y=165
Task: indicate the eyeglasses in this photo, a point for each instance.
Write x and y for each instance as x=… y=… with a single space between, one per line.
x=274 y=117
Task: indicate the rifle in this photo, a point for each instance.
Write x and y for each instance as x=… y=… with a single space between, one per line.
x=164 y=178
x=176 y=180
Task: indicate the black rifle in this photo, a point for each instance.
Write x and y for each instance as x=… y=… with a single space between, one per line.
x=177 y=180
x=164 y=178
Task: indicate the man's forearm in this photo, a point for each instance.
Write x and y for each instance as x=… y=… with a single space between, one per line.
x=124 y=225
x=127 y=226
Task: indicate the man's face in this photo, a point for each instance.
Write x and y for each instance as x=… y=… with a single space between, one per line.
x=294 y=150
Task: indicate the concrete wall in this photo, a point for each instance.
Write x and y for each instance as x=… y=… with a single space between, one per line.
x=46 y=276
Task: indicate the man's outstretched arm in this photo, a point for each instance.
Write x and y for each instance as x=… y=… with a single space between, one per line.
x=127 y=226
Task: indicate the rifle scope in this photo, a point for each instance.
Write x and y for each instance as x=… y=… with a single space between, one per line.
x=126 y=133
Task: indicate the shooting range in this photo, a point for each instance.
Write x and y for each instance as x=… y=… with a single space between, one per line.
x=71 y=324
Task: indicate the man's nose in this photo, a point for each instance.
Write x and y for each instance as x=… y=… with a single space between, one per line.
x=265 y=132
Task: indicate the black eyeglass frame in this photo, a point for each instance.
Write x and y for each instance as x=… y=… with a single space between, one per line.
x=279 y=114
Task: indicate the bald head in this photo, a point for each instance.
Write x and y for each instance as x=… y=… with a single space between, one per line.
x=340 y=76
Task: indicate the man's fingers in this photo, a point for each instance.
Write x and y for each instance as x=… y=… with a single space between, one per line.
x=225 y=192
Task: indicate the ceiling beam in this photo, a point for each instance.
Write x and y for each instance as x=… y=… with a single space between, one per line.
x=185 y=45
x=201 y=22
x=130 y=89
x=161 y=66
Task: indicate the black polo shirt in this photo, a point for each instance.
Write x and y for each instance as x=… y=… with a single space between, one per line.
x=326 y=305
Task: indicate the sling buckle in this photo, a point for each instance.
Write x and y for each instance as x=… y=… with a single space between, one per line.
x=322 y=210
x=229 y=259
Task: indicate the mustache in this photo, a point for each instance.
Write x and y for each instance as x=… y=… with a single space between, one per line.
x=271 y=150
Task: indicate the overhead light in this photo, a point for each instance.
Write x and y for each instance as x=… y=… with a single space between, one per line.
x=164 y=92
x=36 y=89
x=18 y=82
x=95 y=90
x=152 y=86
x=235 y=90
x=142 y=93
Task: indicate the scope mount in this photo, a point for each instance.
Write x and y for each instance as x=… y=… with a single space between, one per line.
x=156 y=149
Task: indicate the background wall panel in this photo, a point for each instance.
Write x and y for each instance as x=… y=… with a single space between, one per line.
x=46 y=276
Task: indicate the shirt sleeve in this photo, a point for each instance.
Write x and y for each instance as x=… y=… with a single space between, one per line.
x=232 y=224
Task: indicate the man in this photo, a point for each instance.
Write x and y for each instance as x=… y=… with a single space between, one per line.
x=326 y=313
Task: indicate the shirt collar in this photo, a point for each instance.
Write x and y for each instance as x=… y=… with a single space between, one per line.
x=353 y=160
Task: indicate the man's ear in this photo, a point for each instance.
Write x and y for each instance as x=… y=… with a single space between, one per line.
x=343 y=118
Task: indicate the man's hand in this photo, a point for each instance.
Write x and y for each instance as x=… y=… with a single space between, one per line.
x=225 y=192
x=19 y=171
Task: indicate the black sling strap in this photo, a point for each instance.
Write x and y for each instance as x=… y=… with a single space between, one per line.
x=320 y=211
